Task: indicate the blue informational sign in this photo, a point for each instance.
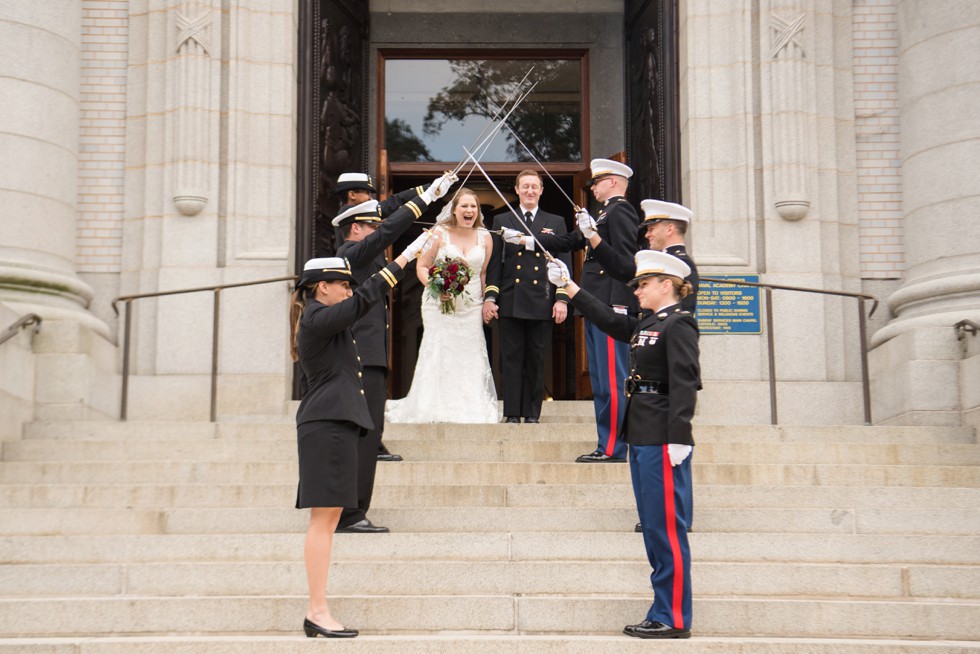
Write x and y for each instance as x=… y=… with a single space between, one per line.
x=726 y=309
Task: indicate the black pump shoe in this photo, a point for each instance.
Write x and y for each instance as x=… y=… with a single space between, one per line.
x=313 y=629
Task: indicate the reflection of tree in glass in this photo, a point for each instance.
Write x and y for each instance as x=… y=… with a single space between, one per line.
x=548 y=121
x=402 y=143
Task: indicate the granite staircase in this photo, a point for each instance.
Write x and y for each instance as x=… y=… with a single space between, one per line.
x=181 y=537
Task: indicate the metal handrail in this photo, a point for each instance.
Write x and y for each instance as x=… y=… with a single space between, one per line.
x=216 y=289
x=216 y=315
x=863 y=329
x=19 y=324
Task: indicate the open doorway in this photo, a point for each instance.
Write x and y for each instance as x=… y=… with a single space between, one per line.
x=407 y=328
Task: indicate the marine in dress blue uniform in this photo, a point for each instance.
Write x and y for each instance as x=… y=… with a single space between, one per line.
x=664 y=377
x=654 y=213
x=617 y=224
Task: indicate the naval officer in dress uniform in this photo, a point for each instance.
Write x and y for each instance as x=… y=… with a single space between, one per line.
x=366 y=237
x=333 y=415
x=358 y=188
x=664 y=377
x=519 y=294
x=617 y=224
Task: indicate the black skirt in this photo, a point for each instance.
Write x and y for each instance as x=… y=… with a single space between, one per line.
x=327 y=463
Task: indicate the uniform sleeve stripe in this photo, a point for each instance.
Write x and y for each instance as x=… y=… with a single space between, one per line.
x=561 y=291
x=390 y=278
x=419 y=190
x=414 y=207
x=492 y=288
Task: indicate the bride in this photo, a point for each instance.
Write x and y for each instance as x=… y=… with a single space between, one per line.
x=452 y=380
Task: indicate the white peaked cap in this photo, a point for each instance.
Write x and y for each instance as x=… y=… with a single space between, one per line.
x=365 y=211
x=603 y=167
x=660 y=210
x=655 y=262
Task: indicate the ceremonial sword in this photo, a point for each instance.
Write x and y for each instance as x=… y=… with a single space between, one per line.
x=477 y=143
x=541 y=166
x=547 y=255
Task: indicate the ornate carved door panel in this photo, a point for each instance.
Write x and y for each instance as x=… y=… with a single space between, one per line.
x=652 y=122
x=332 y=114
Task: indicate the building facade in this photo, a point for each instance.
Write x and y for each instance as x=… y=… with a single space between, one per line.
x=153 y=145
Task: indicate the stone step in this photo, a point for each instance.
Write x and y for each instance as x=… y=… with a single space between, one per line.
x=462 y=578
x=492 y=614
x=408 y=472
x=624 y=545
x=477 y=644
x=151 y=496
x=466 y=450
x=285 y=428
x=490 y=519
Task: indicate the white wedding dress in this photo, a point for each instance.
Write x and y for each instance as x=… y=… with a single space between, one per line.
x=452 y=381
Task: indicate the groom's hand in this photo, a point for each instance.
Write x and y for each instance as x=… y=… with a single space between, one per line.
x=489 y=311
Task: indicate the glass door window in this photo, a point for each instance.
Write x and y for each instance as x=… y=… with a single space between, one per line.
x=434 y=107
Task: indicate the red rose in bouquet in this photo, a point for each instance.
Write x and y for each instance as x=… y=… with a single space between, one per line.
x=448 y=276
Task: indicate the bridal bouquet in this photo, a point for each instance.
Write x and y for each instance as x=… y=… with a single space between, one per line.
x=448 y=276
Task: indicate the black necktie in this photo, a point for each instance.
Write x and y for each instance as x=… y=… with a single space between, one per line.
x=529 y=217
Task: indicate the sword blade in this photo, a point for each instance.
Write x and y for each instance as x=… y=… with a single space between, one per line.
x=485 y=144
x=541 y=166
x=469 y=157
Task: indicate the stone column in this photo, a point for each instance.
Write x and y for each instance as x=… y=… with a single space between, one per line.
x=39 y=112
x=917 y=356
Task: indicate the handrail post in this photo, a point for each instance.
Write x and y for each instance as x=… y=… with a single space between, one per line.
x=771 y=340
x=127 y=326
x=214 y=354
x=865 y=377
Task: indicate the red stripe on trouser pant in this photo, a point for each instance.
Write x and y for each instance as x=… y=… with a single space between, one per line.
x=670 y=516
x=613 y=396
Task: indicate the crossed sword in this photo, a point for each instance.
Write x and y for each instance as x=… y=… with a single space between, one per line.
x=484 y=145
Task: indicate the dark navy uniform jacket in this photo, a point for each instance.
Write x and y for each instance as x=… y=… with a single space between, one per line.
x=617 y=225
x=663 y=352
x=367 y=257
x=623 y=269
x=328 y=353
x=386 y=207
x=518 y=278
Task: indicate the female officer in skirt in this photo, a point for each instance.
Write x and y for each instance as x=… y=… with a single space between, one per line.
x=333 y=413
x=661 y=391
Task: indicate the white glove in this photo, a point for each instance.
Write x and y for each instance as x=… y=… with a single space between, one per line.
x=438 y=188
x=416 y=246
x=558 y=273
x=512 y=236
x=586 y=224
x=678 y=452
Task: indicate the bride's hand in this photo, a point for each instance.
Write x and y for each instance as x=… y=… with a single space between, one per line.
x=489 y=311
x=445 y=297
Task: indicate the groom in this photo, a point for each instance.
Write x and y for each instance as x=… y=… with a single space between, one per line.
x=366 y=236
x=518 y=292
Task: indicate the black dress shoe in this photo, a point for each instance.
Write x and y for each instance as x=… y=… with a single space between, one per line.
x=647 y=629
x=531 y=421
x=598 y=457
x=512 y=420
x=362 y=527
x=313 y=630
x=638 y=527
x=388 y=456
